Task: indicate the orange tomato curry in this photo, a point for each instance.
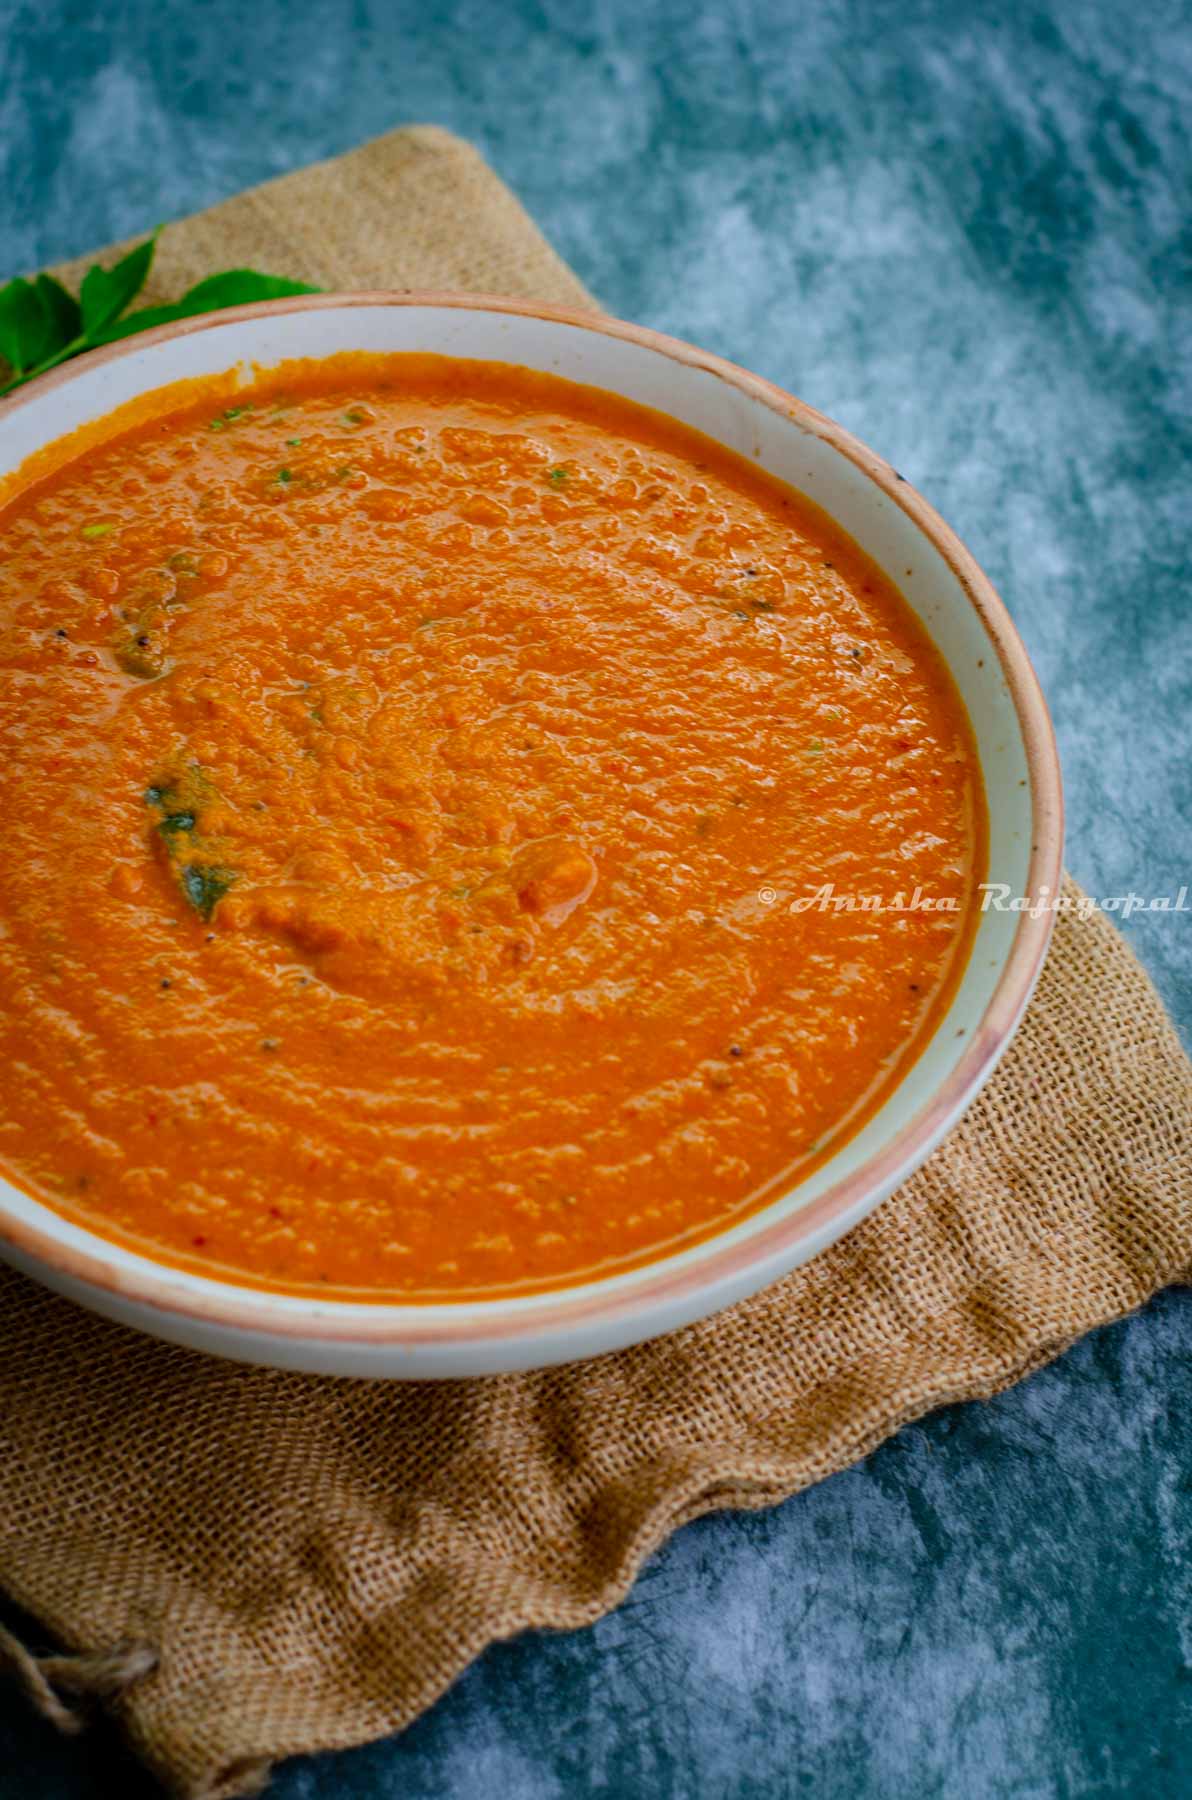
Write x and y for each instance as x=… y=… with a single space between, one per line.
x=406 y=769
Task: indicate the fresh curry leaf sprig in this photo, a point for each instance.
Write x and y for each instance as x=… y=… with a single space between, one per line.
x=42 y=325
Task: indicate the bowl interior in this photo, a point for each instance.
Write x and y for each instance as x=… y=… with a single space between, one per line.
x=860 y=492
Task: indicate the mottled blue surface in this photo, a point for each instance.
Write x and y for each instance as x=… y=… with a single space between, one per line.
x=964 y=231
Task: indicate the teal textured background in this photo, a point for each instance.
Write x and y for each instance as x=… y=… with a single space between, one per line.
x=963 y=231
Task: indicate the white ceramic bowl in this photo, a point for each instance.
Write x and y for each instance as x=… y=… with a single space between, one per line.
x=1018 y=759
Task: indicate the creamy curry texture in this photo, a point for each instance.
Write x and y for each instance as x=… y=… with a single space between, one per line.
x=406 y=768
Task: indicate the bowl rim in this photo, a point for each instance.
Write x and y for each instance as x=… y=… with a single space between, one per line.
x=660 y=1287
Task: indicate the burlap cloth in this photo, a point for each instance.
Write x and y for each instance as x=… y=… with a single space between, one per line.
x=265 y=1563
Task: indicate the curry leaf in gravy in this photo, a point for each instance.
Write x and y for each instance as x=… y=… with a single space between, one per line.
x=205 y=886
x=139 y=653
x=227 y=417
x=192 y=857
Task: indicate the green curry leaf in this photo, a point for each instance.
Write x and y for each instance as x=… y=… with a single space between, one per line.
x=20 y=323
x=41 y=324
x=238 y=287
x=37 y=318
x=106 y=292
x=61 y=312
